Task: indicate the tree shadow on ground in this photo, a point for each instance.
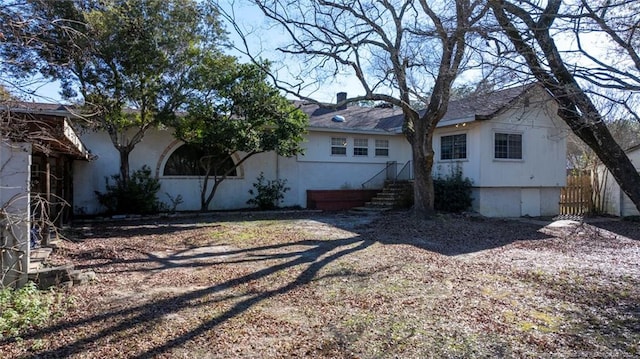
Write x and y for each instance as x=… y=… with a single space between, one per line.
x=309 y=262
x=446 y=235
x=453 y=235
x=114 y=229
x=629 y=229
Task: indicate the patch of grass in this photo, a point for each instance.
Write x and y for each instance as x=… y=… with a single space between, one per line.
x=26 y=308
x=597 y=309
x=255 y=233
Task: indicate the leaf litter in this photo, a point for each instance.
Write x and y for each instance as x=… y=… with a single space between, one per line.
x=338 y=285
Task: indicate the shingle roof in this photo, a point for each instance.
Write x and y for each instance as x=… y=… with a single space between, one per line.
x=356 y=118
x=45 y=126
x=36 y=107
x=376 y=119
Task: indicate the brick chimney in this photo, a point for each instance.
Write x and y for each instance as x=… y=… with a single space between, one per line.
x=341 y=96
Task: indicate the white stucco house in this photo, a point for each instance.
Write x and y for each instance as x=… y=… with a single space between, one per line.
x=510 y=143
x=616 y=202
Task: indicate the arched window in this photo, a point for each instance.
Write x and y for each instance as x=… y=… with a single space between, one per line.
x=189 y=160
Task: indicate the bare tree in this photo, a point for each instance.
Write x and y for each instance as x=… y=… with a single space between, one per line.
x=406 y=53
x=575 y=74
x=25 y=214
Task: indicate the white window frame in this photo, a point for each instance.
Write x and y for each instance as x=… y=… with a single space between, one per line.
x=338 y=143
x=382 y=145
x=360 y=145
x=466 y=147
x=508 y=133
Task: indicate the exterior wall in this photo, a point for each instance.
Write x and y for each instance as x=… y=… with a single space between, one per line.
x=318 y=169
x=318 y=148
x=549 y=201
x=527 y=186
x=516 y=202
x=15 y=161
x=543 y=148
x=315 y=169
x=470 y=166
x=509 y=187
x=611 y=192
x=154 y=151
x=617 y=202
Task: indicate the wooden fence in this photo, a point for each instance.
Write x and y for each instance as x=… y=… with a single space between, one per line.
x=577 y=197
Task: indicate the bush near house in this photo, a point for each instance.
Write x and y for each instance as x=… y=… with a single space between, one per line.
x=138 y=195
x=452 y=193
x=268 y=193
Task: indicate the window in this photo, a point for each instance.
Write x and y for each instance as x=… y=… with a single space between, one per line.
x=508 y=146
x=360 y=147
x=339 y=146
x=189 y=160
x=382 y=148
x=453 y=147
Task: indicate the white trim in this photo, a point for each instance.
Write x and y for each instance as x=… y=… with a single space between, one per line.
x=496 y=131
x=466 y=146
x=360 y=132
x=456 y=121
x=173 y=146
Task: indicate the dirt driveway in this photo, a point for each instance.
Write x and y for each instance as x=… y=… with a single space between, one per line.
x=345 y=286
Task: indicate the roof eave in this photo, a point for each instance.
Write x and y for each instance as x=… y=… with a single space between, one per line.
x=56 y=113
x=70 y=134
x=457 y=121
x=391 y=132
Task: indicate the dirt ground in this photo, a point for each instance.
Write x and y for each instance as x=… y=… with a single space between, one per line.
x=338 y=285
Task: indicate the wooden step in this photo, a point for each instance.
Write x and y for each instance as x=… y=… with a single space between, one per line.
x=382 y=202
x=40 y=254
x=36 y=257
x=371 y=210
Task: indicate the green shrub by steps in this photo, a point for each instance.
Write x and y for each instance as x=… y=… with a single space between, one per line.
x=26 y=308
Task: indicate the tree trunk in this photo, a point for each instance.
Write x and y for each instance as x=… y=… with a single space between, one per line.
x=124 y=163
x=575 y=107
x=421 y=140
x=423 y=195
x=598 y=137
x=206 y=202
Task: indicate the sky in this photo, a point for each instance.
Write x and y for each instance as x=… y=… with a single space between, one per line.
x=263 y=40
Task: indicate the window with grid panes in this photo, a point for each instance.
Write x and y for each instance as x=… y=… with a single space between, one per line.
x=360 y=147
x=339 y=146
x=382 y=148
x=453 y=147
x=189 y=160
x=508 y=146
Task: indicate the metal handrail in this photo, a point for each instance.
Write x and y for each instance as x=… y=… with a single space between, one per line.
x=383 y=171
x=405 y=174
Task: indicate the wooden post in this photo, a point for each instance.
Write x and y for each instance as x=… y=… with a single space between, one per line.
x=46 y=207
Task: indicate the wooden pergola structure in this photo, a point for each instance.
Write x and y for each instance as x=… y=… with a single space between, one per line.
x=55 y=146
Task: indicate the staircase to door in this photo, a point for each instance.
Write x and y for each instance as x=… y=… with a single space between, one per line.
x=395 y=194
